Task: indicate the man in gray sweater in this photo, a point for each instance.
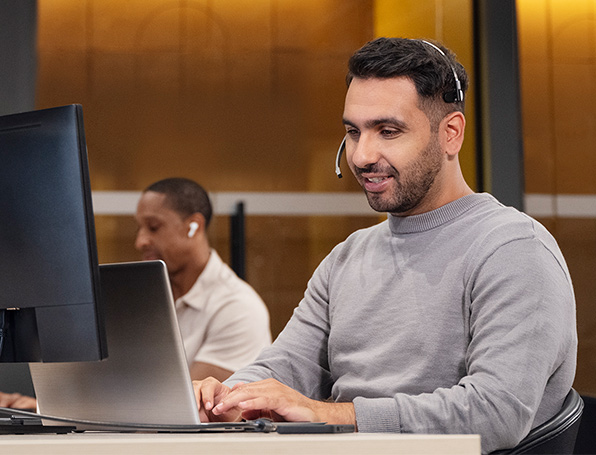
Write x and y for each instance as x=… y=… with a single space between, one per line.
x=455 y=315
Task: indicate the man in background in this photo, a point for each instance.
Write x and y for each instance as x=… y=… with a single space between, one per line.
x=223 y=321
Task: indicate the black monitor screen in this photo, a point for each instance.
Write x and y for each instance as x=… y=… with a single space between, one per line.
x=50 y=300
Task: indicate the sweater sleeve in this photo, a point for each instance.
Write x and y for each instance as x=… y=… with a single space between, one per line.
x=521 y=330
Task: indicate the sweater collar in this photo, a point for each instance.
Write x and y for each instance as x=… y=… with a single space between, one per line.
x=437 y=217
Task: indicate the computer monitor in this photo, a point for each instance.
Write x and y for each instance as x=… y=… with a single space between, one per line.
x=50 y=298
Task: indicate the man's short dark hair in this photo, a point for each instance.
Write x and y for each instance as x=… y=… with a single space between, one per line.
x=184 y=196
x=429 y=70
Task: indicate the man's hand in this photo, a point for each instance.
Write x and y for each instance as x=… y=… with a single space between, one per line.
x=272 y=399
x=209 y=393
x=17 y=401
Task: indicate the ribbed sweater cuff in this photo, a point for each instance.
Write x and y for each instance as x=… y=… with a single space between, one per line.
x=377 y=415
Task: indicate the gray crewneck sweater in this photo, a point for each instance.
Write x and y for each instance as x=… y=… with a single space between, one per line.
x=459 y=320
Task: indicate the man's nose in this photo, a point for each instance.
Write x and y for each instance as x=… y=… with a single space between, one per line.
x=362 y=152
x=141 y=241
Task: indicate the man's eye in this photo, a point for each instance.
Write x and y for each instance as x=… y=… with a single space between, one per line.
x=389 y=133
x=352 y=132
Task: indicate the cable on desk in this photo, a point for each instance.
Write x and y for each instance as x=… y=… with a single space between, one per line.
x=127 y=426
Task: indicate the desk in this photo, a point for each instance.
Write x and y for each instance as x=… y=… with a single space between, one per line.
x=239 y=443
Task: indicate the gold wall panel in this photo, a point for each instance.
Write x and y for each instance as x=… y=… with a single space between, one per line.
x=240 y=95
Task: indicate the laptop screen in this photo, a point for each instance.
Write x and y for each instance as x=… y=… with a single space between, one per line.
x=145 y=379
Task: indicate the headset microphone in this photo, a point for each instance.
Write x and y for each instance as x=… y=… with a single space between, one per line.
x=193 y=226
x=340 y=151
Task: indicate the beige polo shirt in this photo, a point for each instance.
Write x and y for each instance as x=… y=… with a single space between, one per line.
x=222 y=319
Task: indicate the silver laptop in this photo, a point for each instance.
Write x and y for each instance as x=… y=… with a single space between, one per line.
x=145 y=379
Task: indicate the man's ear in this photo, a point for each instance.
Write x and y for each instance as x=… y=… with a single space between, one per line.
x=452 y=132
x=196 y=223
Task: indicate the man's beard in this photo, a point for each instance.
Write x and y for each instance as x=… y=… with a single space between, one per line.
x=411 y=185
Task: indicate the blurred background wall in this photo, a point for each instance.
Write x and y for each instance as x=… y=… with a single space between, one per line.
x=247 y=96
x=238 y=95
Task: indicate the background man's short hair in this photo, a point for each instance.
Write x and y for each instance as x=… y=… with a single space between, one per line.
x=185 y=196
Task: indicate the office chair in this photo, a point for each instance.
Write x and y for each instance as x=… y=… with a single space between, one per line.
x=555 y=436
x=585 y=443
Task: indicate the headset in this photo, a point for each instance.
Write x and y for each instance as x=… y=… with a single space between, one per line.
x=455 y=96
x=193 y=226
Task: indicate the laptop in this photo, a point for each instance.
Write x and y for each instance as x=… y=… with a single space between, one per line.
x=145 y=380
x=144 y=384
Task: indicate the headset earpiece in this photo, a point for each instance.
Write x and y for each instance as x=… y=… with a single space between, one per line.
x=455 y=96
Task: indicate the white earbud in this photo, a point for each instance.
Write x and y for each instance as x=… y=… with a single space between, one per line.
x=192 y=229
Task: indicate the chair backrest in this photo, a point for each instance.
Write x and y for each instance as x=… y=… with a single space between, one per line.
x=586 y=435
x=556 y=435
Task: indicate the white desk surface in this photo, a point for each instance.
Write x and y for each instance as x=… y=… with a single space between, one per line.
x=239 y=443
